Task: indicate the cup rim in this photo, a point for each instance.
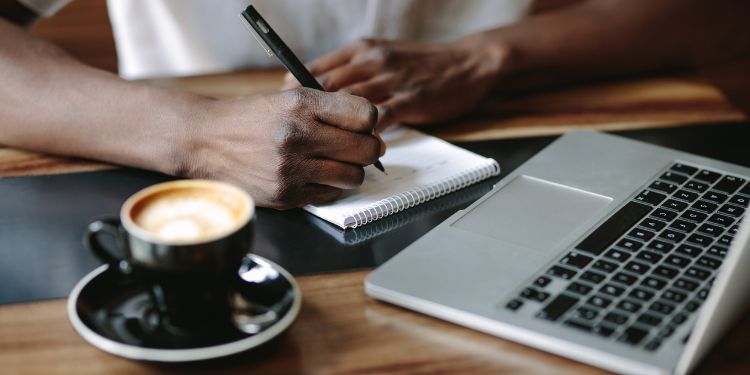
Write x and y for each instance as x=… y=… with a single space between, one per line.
x=135 y=230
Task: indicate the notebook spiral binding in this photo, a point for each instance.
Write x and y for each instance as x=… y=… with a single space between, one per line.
x=411 y=198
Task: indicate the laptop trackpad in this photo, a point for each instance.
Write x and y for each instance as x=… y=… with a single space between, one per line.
x=534 y=213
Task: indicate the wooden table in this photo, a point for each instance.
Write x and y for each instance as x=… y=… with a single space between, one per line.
x=342 y=331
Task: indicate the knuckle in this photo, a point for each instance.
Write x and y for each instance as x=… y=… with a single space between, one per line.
x=297 y=99
x=291 y=136
x=381 y=54
x=367 y=43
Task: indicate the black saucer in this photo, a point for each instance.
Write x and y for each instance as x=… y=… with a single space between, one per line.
x=115 y=314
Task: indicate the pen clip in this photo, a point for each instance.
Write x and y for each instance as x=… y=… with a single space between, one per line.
x=255 y=35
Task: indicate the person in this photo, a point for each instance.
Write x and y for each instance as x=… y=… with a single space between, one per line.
x=288 y=149
x=566 y=41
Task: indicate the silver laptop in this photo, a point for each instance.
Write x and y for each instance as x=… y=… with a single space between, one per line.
x=613 y=252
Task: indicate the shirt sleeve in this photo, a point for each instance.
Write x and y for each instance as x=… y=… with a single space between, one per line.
x=44 y=8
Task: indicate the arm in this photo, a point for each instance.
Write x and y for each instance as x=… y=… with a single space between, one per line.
x=566 y=41
x=287 y=149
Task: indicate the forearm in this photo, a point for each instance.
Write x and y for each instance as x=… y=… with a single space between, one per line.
x=51 y=103
x=598 y=38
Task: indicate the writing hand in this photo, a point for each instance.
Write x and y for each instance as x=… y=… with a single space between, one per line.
x=287 y=149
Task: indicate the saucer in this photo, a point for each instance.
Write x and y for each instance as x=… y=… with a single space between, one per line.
x=116 y=314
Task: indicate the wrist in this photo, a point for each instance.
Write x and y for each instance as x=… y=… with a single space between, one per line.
x=188 y=137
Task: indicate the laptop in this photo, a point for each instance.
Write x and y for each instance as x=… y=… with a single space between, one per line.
x=613 y=252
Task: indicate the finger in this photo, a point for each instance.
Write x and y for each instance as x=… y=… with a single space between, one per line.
x=328 y=142
x=348 y=74
x=334 y=59
x=391 y=111
x=316 y=194
x=344 y=111
x=376 y=90
x=337 y=174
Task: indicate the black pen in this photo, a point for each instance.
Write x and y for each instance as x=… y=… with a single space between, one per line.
x=272 y=43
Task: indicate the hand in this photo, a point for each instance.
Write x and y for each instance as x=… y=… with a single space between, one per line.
x=287 y=149
x=410 y=82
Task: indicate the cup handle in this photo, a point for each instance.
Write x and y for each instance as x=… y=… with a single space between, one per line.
x=91 y=241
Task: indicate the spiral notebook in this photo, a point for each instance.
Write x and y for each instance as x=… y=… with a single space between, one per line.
x=419 y=168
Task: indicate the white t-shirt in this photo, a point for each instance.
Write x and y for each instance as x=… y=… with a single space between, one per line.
x=162 y=38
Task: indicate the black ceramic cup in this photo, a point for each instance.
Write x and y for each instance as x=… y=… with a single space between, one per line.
x=185 y=241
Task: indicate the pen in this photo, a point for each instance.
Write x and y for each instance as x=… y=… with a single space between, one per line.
x=273 y=45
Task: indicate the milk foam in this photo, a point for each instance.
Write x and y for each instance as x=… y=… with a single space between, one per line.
x=185 y=217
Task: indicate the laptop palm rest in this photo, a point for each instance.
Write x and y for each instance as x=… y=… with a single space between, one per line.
x=534 y=213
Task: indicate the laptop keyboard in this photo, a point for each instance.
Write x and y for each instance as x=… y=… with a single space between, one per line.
x=649 y=267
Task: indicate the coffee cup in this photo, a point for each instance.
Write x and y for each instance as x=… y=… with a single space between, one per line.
x=184 y=241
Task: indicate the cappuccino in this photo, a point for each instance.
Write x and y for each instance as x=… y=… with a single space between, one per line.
x=182 y=212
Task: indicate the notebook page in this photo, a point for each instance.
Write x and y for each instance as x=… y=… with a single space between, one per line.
x=412 y=160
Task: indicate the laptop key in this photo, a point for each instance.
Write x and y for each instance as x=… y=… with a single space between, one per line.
x=612 y=290
x=651 y=197
x=694 y=215
x=542 y=281
x=603 y=330
x=660 y=246
x=648 y=257
x=685 y=195
x=708 y=262
x=614 y=227
x=605 y=266
x=637 y=268
x=654 y=283
x=697 y=186
x=729 y=184
x=710 y=230
x=675 y=205
x=633 y=335
x=576 y=260
x=684 y=169
x=731 y=210
x=593 y=277
x=631 y=245
x=674 y=296
x=689 y=250
x=561 y=272
x=700 y=239
x=579 y=288
x=684 y=226
x=616 y=318
x=665 y=272
x=641 y=294
x=671 y=235
x=666 y=331
x=652 y=224
x=715 y=197
x=599 y=301
x=679 y=318
x=587 y=313
x=661 y=307
x=514 y=304
x=557 y=307
x=677 y=261
x=685 y=284
x=704 y=206
x=745 y=190
x=652 y=345
x=641 y=234
x=663 y=214
x=697 y=273
x=629 y=306
x=724 y=241
x=722 y=220
x=663 y=186
x=703 y=293
x=739 y=200
x=617 y=255
x=624 y=278
x=693 y=305
x=534 y=295
x=649 y=319
x=718 y=251
x=674 y=177
x=708 y=176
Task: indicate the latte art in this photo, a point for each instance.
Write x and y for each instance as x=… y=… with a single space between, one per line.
x=188 y=214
